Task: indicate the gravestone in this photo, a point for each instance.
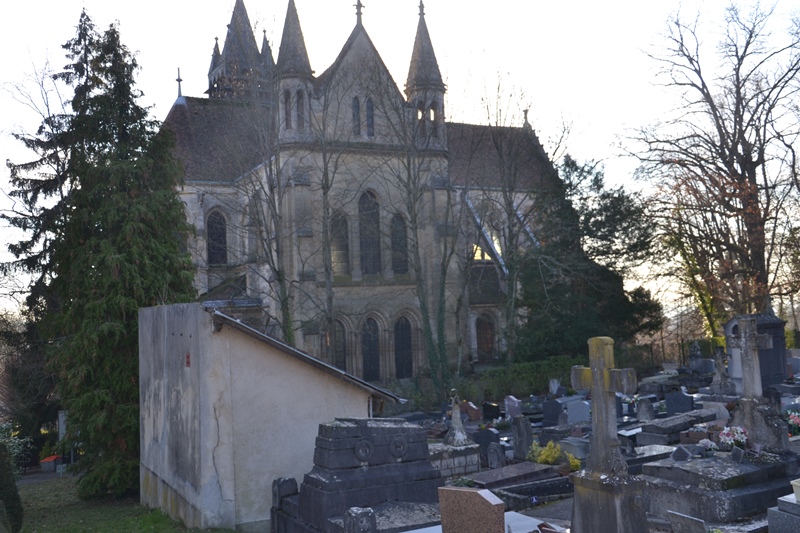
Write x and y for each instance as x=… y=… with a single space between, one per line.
x=644 y=411
x=578 y=412
x=785 y=518
x=678 y=402
x=364 y=463
x=495 y=455
x=551 y=410
x=467 y=509
x=681 y=454
x=606 y=498
x=473 y=413
x=682 y=523
x=721 y=384
x=485 y=437
x=490 y=411
x=767 y=339
x=513 y=407
x=764 y=425
x=522 y=433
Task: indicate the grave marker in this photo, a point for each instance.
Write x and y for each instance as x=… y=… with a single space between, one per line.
x=763 y=423
x=469 y=509
x=523 y=436
x=495 y=455
x=513 y=407
x=605 y=382
x=607 y=499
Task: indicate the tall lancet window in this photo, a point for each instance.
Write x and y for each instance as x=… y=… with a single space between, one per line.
x=370 y=118
x=356 y=116
x=217 y=239
x=370 y=236
x=301 y=111
x=370 y=350
x=287 y=110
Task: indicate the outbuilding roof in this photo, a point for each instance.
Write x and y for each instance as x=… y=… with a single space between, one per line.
x=221 y=319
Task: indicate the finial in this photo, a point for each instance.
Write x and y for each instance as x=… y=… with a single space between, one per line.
x=359 y=7
x=421 y=9
x=179 y=80
x=525 y=112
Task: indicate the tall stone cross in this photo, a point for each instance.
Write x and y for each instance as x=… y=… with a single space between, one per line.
x=748 y=342
x=604 y=381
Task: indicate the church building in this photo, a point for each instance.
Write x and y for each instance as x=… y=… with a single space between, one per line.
x=349 y=217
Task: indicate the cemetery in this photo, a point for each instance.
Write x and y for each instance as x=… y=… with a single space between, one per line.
x=713 y=450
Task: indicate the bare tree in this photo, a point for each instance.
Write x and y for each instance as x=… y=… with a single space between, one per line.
x=725 y=167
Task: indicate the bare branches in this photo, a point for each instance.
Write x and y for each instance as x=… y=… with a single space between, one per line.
x=725 y=165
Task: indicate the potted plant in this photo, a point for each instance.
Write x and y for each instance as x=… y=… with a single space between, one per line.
x=709 y=447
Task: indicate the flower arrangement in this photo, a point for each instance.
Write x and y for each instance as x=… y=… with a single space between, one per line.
x=733 y=436
x=708 y=445
x=794 y=418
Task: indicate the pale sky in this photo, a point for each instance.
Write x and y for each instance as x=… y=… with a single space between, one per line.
x=582 y=62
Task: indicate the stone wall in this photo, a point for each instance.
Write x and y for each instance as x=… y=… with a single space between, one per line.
x=455 y=461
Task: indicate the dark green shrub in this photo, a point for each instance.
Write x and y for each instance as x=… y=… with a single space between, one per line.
x=12 y=503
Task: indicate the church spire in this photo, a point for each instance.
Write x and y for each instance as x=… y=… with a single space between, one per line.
x=239 y=70
x=292 y=55
x=424 y=70
x=267 y=62
x=240 y=48
x=215 y=57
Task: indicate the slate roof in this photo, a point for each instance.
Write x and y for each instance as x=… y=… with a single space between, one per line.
x=217 y=140
x=221 y=319
x=476 y=162
x=423 y=73
x=292 y=54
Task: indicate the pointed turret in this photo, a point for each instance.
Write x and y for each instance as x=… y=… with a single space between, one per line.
x=423 y=73
x=268 y=64
x=425 y=89
x=215 y=57
x=239 y=67
x=292 y=55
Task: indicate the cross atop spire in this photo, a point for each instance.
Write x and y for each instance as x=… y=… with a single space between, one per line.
x=359 y=7
x=179 y=80
x=421 y=9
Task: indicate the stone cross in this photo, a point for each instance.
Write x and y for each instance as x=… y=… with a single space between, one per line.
x=604 y=381
x=748 y=342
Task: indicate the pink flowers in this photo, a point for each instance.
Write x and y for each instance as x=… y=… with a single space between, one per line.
x=733 y=436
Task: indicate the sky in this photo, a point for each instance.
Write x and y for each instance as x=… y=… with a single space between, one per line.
x=579 y=62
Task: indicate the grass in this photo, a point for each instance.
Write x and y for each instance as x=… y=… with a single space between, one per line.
x=53 y=505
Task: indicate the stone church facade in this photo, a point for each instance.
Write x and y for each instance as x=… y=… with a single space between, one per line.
x=349 y=210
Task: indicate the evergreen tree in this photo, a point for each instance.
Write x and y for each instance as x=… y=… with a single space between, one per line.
x=117 y=246
x=572 y=283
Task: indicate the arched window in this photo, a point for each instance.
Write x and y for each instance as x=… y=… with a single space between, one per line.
x=370 y=118
x=370 y=350
x=421 y=120
x=356 y=117
x=340 y=246
x=484 y=328
x=434 y=116
x=339 y=345
x=399 y=245
x=403 y=360
x=287 y=110
x=369 y=231
x=217 y=239
x=301 y=117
